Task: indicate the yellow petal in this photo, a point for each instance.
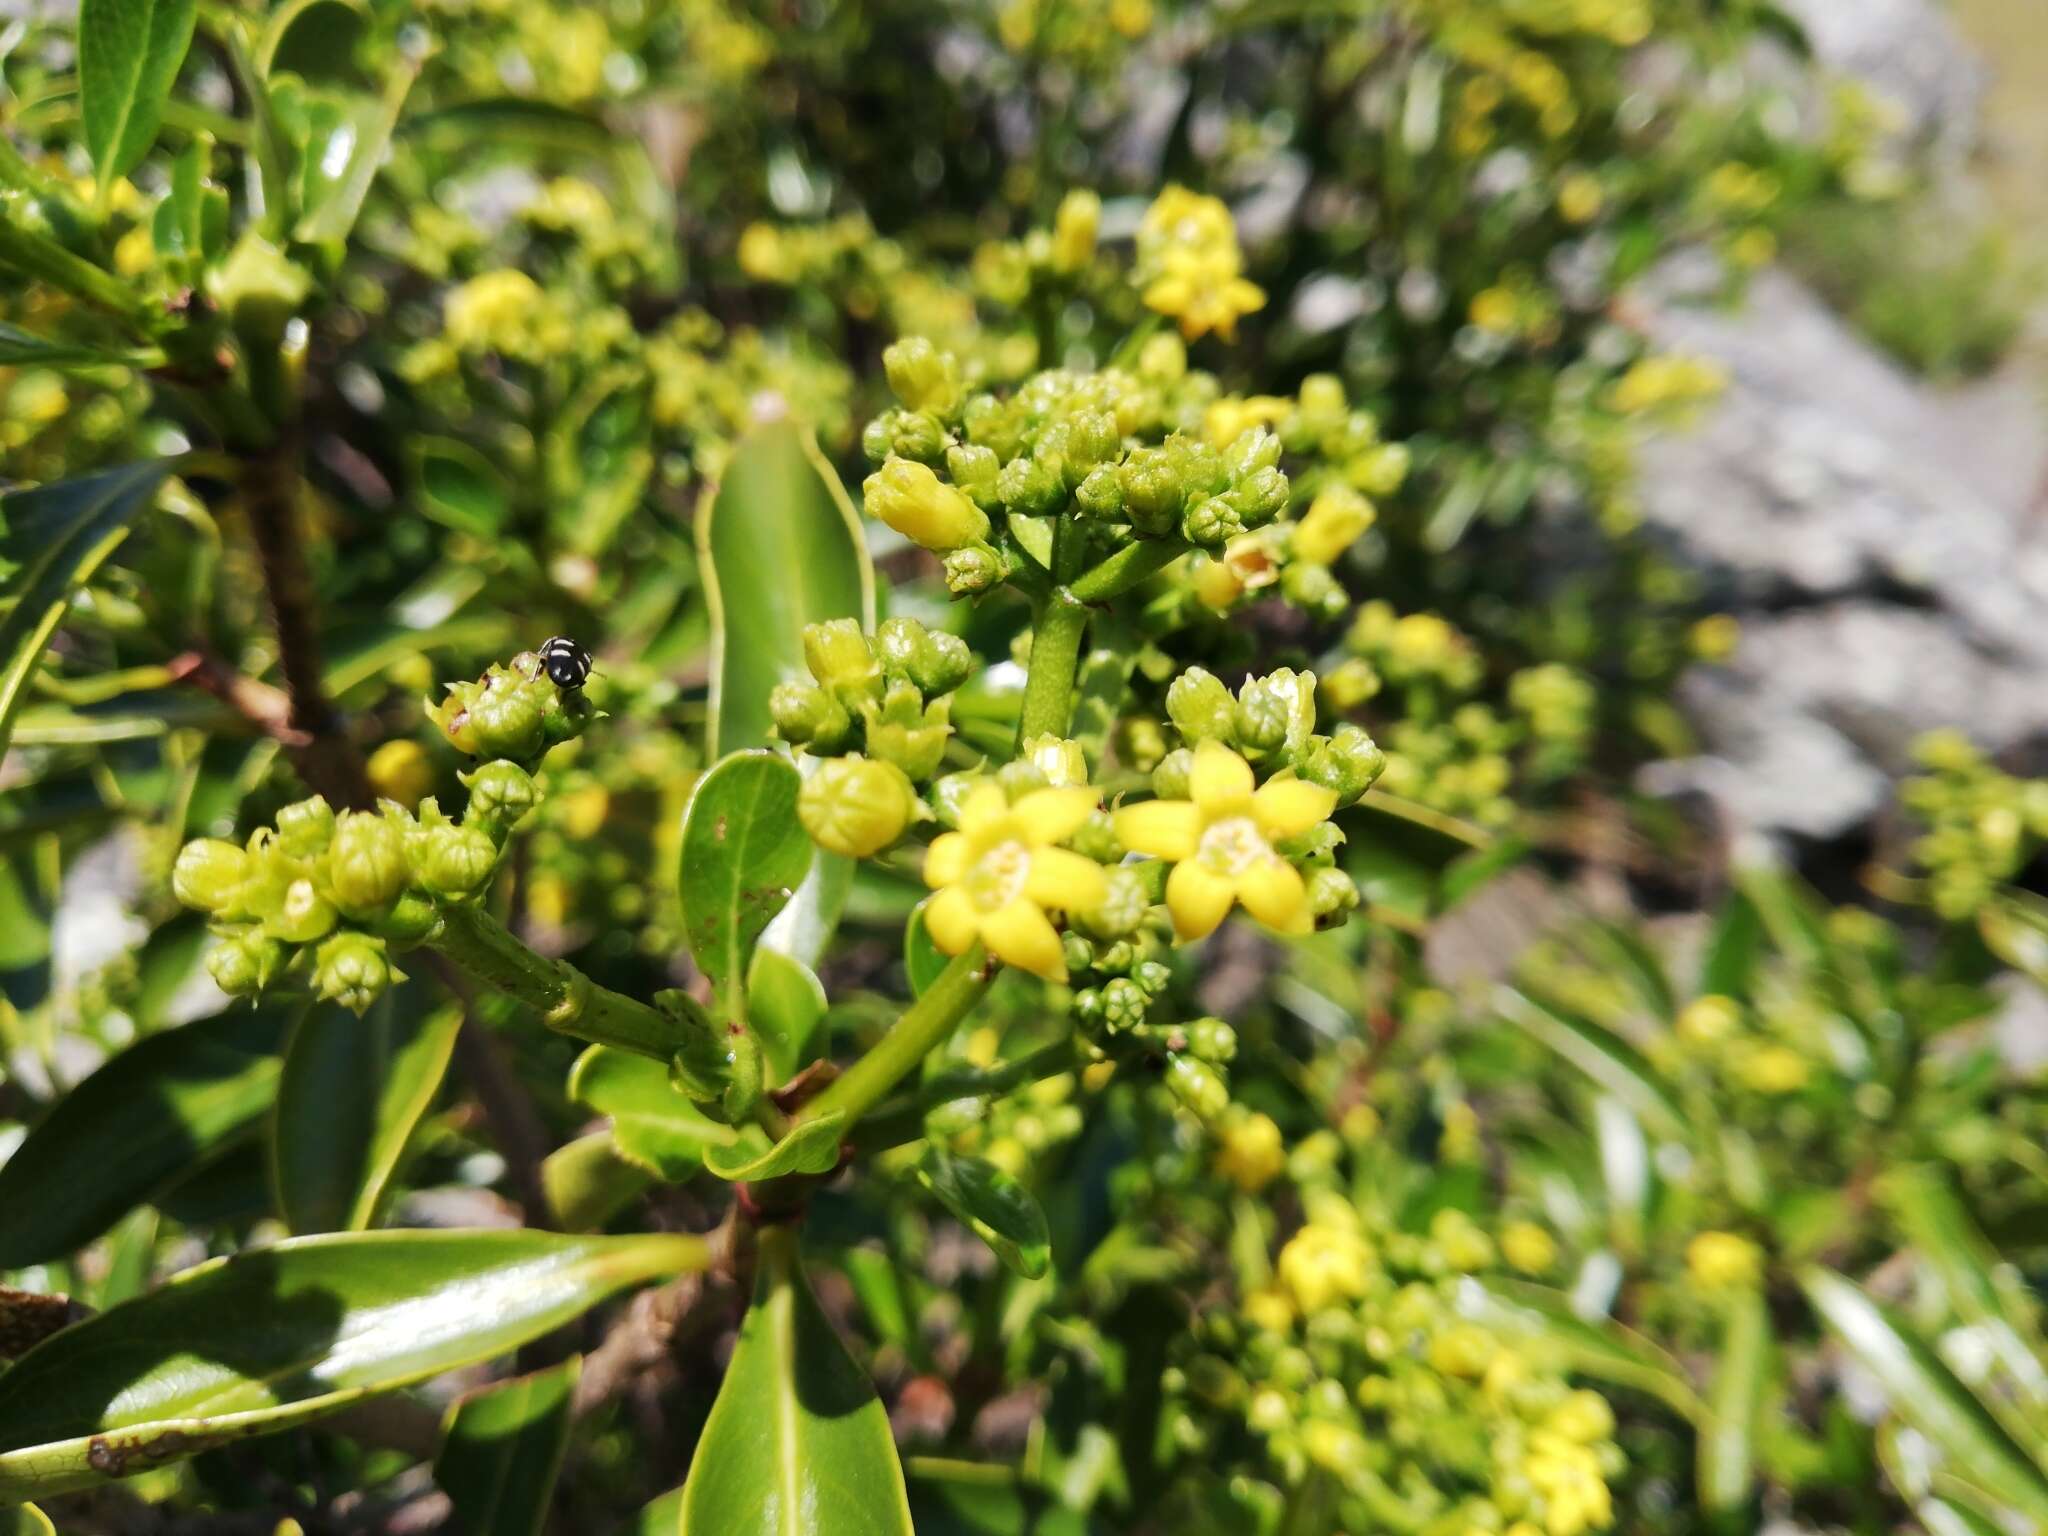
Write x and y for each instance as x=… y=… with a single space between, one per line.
x=1199 y=899
x=948 y=860
x=982 y=815
x=1020 y=934
x=1047 y=816
x=951 y=920
x=1289 y=807
x=1220 y=780
x=1166 y=829
x=1273 y=891
x=1061 y=878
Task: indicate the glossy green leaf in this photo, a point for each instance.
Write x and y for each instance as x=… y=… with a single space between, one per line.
x=1600 y=1348
x=501 y=1449
x=59 y=533
x=588 y=1182
x=270 y=1338
x=352 y=1093
x=138 y=1125
x=780 y=547
x=660 y=1517
x=999 y=1210
x=810 y=1147
x=744 y=854
x=1927 y=1395
x=21 y=349
x=330 y=220
x=128 y=57
x=797 y=1443
x=785 y=1003
x=1735 y=1404
x=458 y=487
x=654 y=1126
x=1609 y=1061
x=312 y=38
x=25 y=1520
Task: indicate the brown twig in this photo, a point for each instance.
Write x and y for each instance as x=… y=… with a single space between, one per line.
x=658 y=1323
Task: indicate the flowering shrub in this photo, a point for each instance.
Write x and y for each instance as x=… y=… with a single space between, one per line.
x=859 y=671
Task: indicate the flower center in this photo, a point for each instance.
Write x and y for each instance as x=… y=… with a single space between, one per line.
x=1233 y=845
x=998 y=876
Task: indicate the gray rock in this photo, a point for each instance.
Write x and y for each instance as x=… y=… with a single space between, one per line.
x=1908 y=52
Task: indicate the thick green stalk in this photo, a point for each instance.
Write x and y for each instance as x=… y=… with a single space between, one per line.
x=1055 y=658
x=1126 y=568
x=910 y=1039
x=567 y=1000
x=902 y=1118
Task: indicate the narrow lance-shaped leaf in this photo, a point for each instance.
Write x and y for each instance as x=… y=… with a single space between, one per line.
x=60 y=533
x=1927 y=1395
x=501 y=1449
x=797 y=1443
x=1601 y=1348
x=353 y=1092
x=270 y=1338
x=999 y=1210
x=143 y=1121
x=128 y=57
x=1603 y=1056
x=1728 y=1439
x=744 y=853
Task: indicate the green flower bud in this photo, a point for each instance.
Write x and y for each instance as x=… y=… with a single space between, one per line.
x=1097 y=839
x=1060 y=759
x=351 y=969
x=878 y=437
x=1379 y=471
x=1124 y=1004
x=841 y=659
x=411 y=919
x=1140 y=742
x=855 y=806
x=243 y=963
x=504 y=719
x=304 y=827
x=1331 y=894
x=899 y=642
x=1211 y=522
x=1314 y=590
x=993 y=425
x=209 y=875
x=501 y=793
x=944 y=663
x=923 y=377
x=1031 y=487
x=974 y=469
x=1255 y=449
x=809 y=716
x=1092 y=439
x=1276 y=714
x=1152 y=491
x=366 y=865
x=1201 y=707
x=901 y=730
x=303 y=914
x=972 y=570
x=564 y=716
x=1170 y=780
x=1100 y=494
x=1199 y=1086
x=1213 y=1041
x=917 y=435
x=454 y=861
x=1346 y=761
x=1260 y=497
x=1123 y=906
x=1321 y=403
x=947 y=794
x=923 y=508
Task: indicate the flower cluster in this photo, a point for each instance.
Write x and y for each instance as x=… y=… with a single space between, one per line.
x=1189 y=265
x=1982 y=824
x=513 y=711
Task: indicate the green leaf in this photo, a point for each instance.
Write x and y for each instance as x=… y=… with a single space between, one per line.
x=744 y=854
x=588 y=1183
x=1609 y=1061
x=1789 y=911
x=312 y=38
x=20 y=349
x=329 y=221
x=1733 y=948
x=810 y=1147
x=138 y=1125
x=271 y=1338
x=60 y=533
x=785 y=1002
x=977 y=1499
x=2014 y=925
x=501 y=1449
x=458 y=487
x=1001 y=1211
x=1543 y=1319
x=1927 y=1395
x=25 y=1520
x=1728 y=1439
x=923 y=961
x=797 y=1443
x=660 y=1517
x=654 y=1126
x=353 y=1092
x=598 y=459
x=781 y=547
x=128 y=57
x=1621 y=952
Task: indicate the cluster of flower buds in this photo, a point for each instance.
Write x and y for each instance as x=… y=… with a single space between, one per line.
x=331 y=897
x=513 y=711
x=1270 y=723
x=1982 y=825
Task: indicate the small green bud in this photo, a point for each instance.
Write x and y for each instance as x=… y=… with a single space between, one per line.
x=901 y=730
x=304 y=827
x=809 y=716
x=921 y=376
x=454 y=861
x=1092 y=439
x=366 y=865
x=855 y=806
x=1276 y=714
x=505 y=717
x=1122 y=908
x=1314 y=590
x=1201 y=707
x=975 y=469
x=1031 y=487
x=351 y=969
x=1346 y=761
x=1255 y=449
x=501 y=793
x=918 y=435
x=1260 y=497
x=209 y=875
x=993 y=425
x=1380 y=470
x=243 y=963
x=1331 y=894
x=1100 y=494
x=1097 y=839
x=1213 y=1041
x=411 y=919
x=1153 y=494
x=1171 y=779
x=303 y=914
x=1211 y=522
x=972 y=570
x=947 y=794
x=1199 y=1086
x=1124 y=1005
x=841 y=659
x=878 y=437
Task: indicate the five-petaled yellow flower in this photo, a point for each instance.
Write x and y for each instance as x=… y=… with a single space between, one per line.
x=1221 y=843
x=1190 y=265
x=998 y=874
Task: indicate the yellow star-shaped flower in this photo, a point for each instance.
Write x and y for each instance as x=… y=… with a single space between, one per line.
x=1220 y=843
x=997 y=876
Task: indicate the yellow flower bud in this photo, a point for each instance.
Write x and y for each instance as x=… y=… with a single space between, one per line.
x=1707 y=1019
x=1722 y=1261
x=914 y=501
x=855 y=806
x=1252 y=1154
x=1323 y=1266
x=401 y=771
x=1332 y=525
x=1528 y=1247
x=1073 y=230
x=1270 y=1310
x=1776 y=1069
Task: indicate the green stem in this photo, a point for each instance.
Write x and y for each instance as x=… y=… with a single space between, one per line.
x=1126 y=568
x=39 y=256
x=1055 y=657
x=910 y=1039
x=902 y=1119
x=566 y=999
